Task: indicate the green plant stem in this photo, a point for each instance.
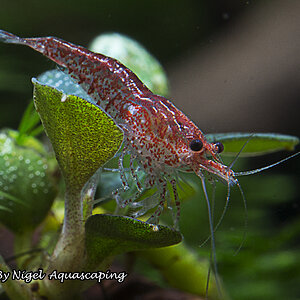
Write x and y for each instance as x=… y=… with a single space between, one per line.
x=69 y=254
x=22 y=243
x=13 y=288
x=87 y=201
x=88 y=194
x=177 y=263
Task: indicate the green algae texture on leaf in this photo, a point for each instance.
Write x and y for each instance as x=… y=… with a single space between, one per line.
x=257 y=144
x=110 y=235
x=82 y=135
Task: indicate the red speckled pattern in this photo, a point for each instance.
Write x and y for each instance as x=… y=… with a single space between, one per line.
x=157 y=134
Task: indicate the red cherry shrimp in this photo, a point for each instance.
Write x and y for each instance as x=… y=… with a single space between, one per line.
x=158 y=137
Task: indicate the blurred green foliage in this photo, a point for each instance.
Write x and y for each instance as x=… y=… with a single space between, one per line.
x=267 y=265
x=27 y=189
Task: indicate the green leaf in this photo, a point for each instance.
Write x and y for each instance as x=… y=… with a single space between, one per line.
x=108 y=235
x=27 y=187
x=26 y=141
x=29 y=121
x=184 y=270
x=12 y=198
x=83 y=136
x=36 y=131
x=5 y=208
x=258 y=143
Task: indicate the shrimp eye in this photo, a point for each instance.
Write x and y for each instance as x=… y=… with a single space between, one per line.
x=219 y=147
x=196 y=145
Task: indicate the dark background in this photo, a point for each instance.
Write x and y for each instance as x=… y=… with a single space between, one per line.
x=233 y=66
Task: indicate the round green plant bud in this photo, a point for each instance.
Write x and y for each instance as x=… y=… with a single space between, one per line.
x=27 y=189
x=135 y=57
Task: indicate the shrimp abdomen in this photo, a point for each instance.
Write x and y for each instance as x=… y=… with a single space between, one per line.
x=103 y=78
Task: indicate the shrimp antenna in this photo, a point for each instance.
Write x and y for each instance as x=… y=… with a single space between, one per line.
x=210 y=256
x=211 y=227
x=245 y=222
x=238 y=154
x=221 y=217
x=266 y=167
x=208 y=278
x=219 y=158
x=223 y=214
